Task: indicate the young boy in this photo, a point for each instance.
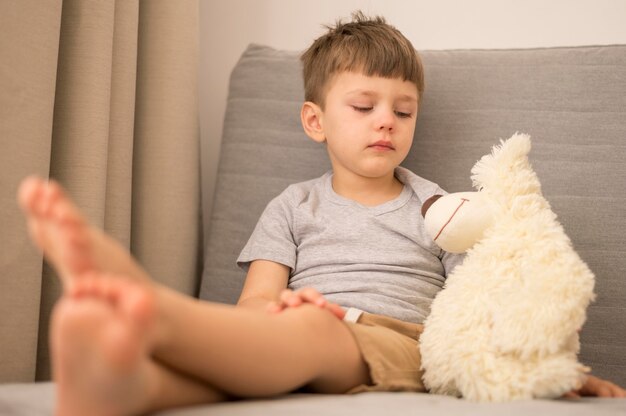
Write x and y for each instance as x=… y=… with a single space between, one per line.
x=123 y=344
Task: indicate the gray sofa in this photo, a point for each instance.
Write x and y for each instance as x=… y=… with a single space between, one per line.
x=572 y=101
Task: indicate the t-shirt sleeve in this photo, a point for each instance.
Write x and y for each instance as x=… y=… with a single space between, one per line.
x=450 y=261
x=272 y=238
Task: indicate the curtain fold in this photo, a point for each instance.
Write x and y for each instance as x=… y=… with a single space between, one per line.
x=166 y=172
x=28 y=55
x=101 y=96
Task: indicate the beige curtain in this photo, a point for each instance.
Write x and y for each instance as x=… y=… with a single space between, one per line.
x=100 y=95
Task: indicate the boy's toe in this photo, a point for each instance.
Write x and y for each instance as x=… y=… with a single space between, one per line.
x=28 y=193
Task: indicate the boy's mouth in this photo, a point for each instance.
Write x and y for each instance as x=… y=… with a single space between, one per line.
x=382 y=145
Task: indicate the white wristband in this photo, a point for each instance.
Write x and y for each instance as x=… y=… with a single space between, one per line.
x=352 y=315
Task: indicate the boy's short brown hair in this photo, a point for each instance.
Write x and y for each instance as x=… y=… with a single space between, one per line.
x=367 y=45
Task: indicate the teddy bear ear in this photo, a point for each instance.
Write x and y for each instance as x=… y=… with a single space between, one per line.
x=427 y=204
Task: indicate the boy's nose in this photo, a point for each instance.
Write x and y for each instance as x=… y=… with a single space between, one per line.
x=387 y=121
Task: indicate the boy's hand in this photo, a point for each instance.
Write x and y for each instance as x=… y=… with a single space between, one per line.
x=290 y=299
x=595 y=386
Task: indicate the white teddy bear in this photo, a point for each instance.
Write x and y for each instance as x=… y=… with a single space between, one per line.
x=506 y=324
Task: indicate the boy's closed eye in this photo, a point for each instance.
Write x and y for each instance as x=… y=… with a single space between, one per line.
x=402 y=114
x=367 y=109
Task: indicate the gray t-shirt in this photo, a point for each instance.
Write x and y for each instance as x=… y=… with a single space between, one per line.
x=376 y=259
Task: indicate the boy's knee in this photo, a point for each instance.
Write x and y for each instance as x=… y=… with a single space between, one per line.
x=342 y=366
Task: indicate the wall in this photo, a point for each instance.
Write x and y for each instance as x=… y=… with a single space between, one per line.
x=226 y=28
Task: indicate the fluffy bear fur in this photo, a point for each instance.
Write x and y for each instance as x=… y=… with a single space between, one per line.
x=505 y=325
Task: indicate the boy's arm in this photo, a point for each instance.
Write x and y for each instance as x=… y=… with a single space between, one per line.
x=264 y=282
x=595 y=386
x=265 y=289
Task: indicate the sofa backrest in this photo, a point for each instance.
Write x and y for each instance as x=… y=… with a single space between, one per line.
x=572 y=101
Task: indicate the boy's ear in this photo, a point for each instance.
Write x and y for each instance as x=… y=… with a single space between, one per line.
x=311 y=117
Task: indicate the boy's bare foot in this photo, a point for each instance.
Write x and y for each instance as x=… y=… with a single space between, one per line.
x=100 y=340
x=68 y=241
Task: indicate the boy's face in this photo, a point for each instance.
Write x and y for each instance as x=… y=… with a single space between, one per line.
x=367 y=123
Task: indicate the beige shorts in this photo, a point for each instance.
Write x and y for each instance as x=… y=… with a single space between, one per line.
x=390 y=348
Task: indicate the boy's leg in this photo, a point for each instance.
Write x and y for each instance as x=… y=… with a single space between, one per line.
x=250 y=353
x=106 y=329
x=101 y=341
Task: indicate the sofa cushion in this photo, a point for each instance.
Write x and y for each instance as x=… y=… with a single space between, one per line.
x=572 y=101
x=37 y=399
